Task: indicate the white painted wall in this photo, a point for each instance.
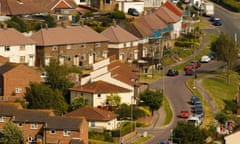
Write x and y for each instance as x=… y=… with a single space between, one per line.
x=109 y=125
x=15 y=53
x=125 y=5
x=232 y=138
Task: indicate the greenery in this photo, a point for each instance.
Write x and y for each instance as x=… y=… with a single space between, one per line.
x=78 y=102
x=127 y=112
x=168 y=111
x=152 y=99
x=40 y=96
x=11 y=134
x=116 y=14
x=18 y=23
x=50 y=21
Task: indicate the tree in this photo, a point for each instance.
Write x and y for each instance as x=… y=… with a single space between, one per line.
x=78 y=102
x=50 y=21
x=57 y=78
x=114 y=99
x=41 y=96
x=187 y=133
x=152 y=99
x=11 y=134
x=18 y=23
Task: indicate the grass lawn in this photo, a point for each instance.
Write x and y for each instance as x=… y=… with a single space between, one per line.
x=167 y=110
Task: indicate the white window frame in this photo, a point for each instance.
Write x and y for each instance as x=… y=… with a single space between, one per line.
x=69 y=47
x=18 y=90
x=7 y=48
x=2 y=118
x=34 y=126
x=66 y=133
x=83 y=45
x=20 y=124
x=54 y=48
x=53 y=131
x=98 y=44
x=32 y=139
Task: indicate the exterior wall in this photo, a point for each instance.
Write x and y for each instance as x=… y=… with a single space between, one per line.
x=125 y=5
x=16 y=52
x=72 y=54
x=19 y=77
x=233 y=138
x=86 y=2
x=108 y=125
x=177 y=29
x=3 y=123
x=60 y=138
x=153 y=3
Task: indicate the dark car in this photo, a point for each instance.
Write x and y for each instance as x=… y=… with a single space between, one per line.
x=172 y=72
x=164 y=142
x=217 y=22
x=194 y=99
x=189 y=72
x=133 y=12
x=212 y=18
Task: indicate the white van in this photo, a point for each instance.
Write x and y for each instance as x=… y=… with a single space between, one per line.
x=205 y=59
x=194 y=120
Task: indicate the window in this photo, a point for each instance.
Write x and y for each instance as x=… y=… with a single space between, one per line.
x=83 y=45
x=18 y=90
x=2 y=118
x=68 y=58
x=20 y=124
x=54 y=48
x=22 y=48
x=97 y=44
x=52 y=132
x=22 y=59
x=99 y=95
x=32 y=139
x=66 y=133
x=69 y=47
x=83 y=57
x=124 y=45
x=34 y=126
x=82 y=0
x=7 y=48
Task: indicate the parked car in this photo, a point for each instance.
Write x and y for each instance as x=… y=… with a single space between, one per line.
x=164 y=142
x=194 y=99
x=172 y=72
x=217 y=22
x=184 y=114
x=212 y=18
x=198 y=110
x=196 y=64
x=189 y=72
x=133 y=12
x=195 y=120
x=205 y=59
x=191 y=66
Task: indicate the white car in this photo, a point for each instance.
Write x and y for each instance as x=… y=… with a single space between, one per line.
x=205 y=59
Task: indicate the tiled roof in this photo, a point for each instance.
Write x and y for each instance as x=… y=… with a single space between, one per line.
x=116 y=34
x=16 y=7
x=3 y=60
x=173 y=8
x=60 y=122
x=123 y=72
x=93 y=114
x=7 y=67
x=167 y=15
x=10 y=36
x=32 y=115
x=8 y=109
x=100 y=87
x=67 y=35
x=148 y=23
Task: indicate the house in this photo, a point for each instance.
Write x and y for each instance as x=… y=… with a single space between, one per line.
x=42 y=126
x=97 y=92
x=122 y=43
x=14 y=79
x=70 y=45
x=232 y=138
x=17 y=47
x=97 y=118
x=109 y=76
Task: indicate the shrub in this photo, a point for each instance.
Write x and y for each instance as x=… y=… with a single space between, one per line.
x=116 y=14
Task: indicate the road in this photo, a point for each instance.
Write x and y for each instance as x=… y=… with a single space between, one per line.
x=175 y=87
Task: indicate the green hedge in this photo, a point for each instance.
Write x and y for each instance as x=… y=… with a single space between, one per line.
x=232 y=5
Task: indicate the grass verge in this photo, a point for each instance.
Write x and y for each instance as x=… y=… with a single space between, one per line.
x=141 y=140
x=168 y=111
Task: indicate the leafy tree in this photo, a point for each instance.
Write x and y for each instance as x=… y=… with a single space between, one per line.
x=18 y=23
x=41 y=96
x=11 y=134
x=116 y=14
x=221 y=117
x=152 y=99
x=57 y=78
x=187 y=133
x=114 y=99
x=78 y=102
x=50 y=21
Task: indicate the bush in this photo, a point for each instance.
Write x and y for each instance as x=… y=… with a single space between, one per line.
x=221 y=117
x=116 y=14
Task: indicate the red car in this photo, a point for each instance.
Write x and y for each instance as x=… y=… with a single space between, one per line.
x=196 y=64
x=189 y=66
x=184 y=114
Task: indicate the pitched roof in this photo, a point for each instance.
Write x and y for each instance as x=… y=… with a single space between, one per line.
x=123 y=72
x=100 y=87
x=67 y=35
x=148 y=23
x=93 y=114
x=116 y=34
x=27 y=115
x=10 y=36
x=8 y=109
x=173 y=8
x=60 y=122
x=7 y=67
x=166 y=15
x=16 y=7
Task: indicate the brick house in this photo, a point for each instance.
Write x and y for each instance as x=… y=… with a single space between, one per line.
x=121 y=43
x=97 y=117
x=43 y=127
x=17 y=47
x=14 y=78
x=70 y=45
